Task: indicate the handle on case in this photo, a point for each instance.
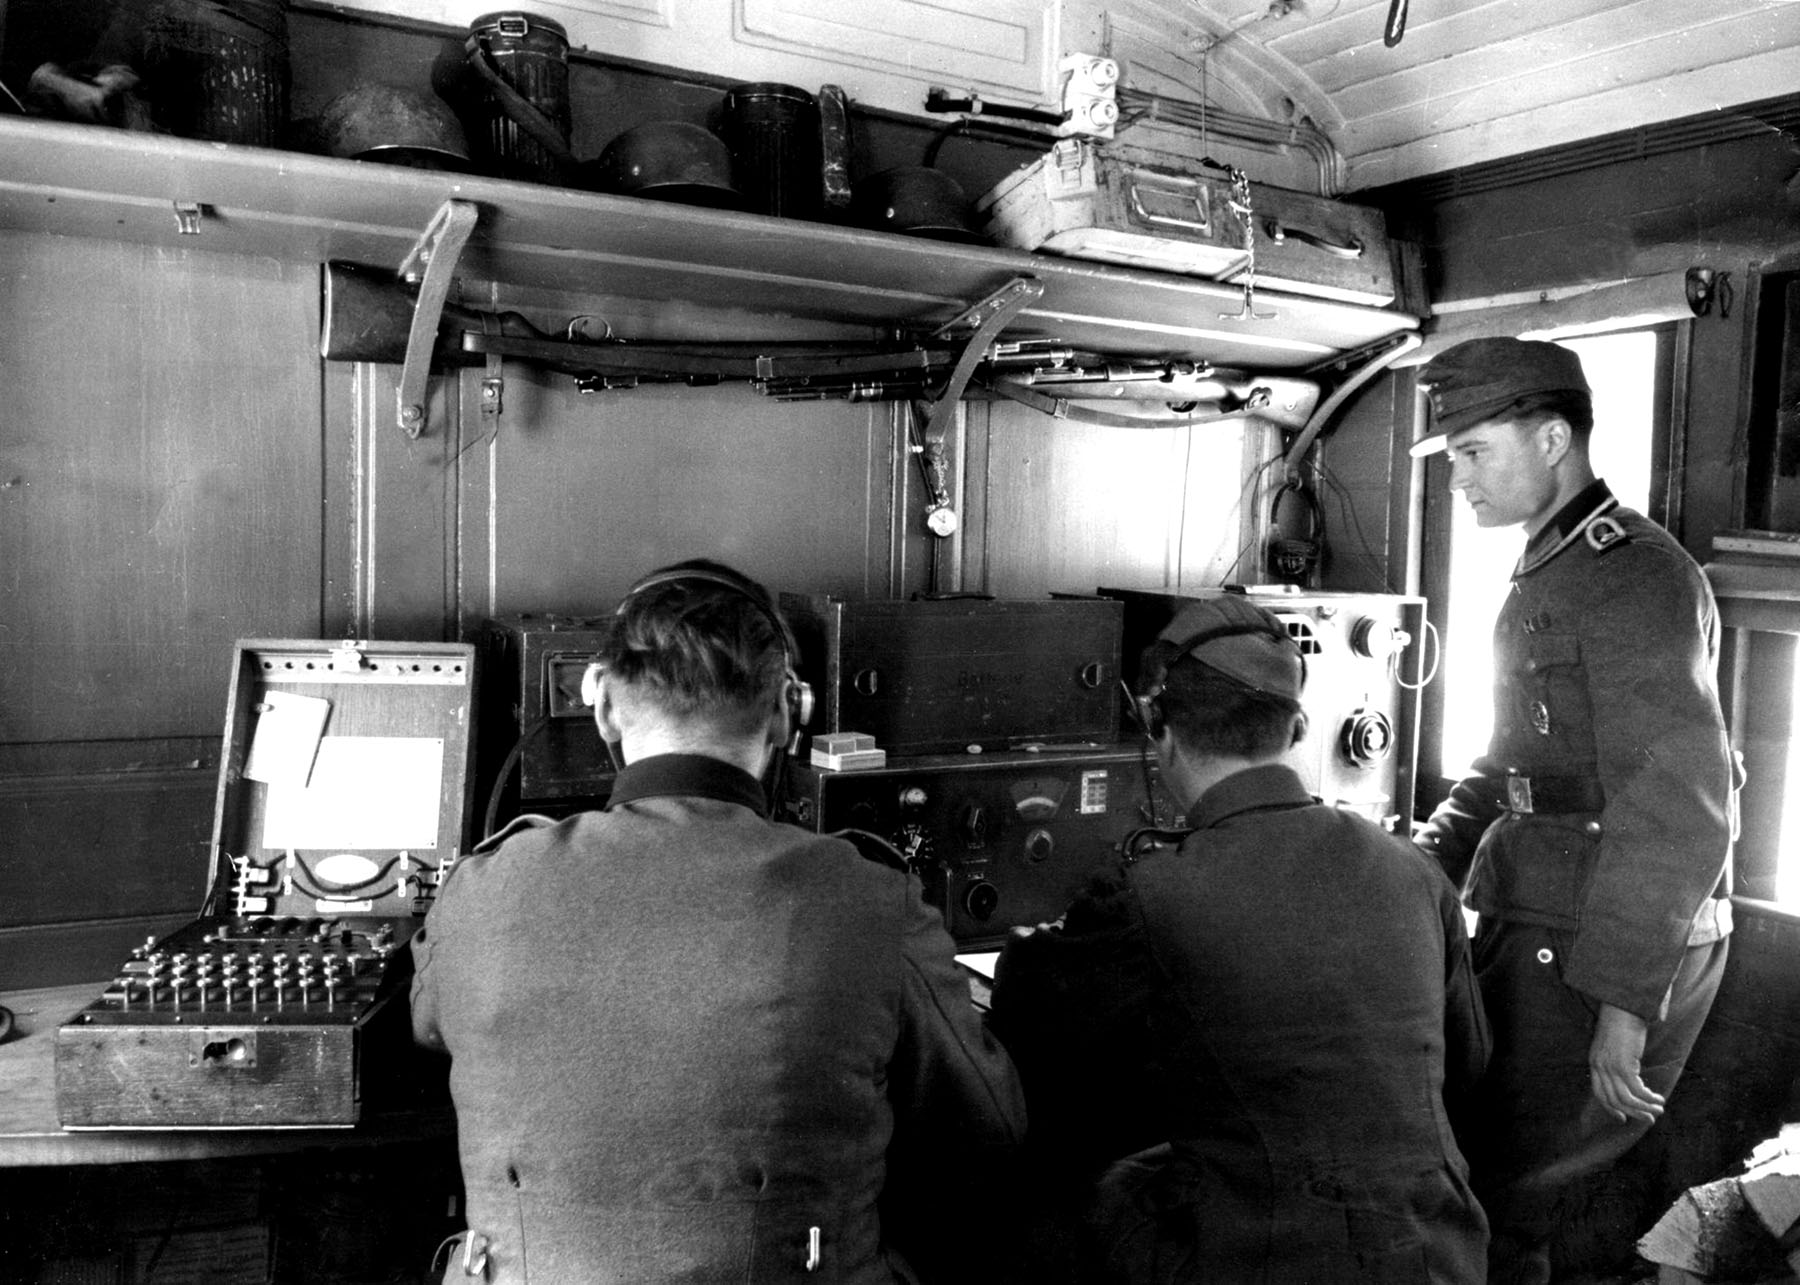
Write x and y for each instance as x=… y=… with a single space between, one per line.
x=1279 y=232
x=1201 y=222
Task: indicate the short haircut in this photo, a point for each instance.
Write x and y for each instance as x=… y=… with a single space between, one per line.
x=708 y=646
x=1571 y=405
x=1210 y=714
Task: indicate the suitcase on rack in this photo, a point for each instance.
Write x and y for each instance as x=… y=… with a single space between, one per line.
x=342 y=803
x=1081 y=202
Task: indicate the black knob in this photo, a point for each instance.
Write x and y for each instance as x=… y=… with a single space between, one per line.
x=1038 y=845
x=982 y=900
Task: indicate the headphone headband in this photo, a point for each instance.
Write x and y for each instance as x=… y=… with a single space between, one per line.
x=800 y=701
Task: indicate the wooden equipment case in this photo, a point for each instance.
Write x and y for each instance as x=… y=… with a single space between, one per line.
x=925 y=676
x=342 y=802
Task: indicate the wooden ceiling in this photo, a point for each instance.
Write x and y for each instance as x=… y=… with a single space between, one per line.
x=1467 y=81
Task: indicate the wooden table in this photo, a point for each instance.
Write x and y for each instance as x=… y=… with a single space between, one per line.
x=30 y=1134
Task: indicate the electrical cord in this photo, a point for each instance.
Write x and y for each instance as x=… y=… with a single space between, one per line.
x=492 y=811
x=1436 y=645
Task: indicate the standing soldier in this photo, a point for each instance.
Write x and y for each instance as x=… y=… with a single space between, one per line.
x=1594 y=836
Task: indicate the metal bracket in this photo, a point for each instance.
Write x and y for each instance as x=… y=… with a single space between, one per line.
x=431 y=262
x=187 y=217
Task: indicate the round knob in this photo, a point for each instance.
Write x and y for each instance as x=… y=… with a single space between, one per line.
x=1039 y=844
x=1367 y=737
x=1377 y=639
x=974 y=825
x=982 y=900
x=866 y=682
x=913 y=796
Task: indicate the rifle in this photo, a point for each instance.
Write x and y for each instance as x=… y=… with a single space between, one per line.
x=369 y=311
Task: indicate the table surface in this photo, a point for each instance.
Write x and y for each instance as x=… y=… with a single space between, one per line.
x=30 y=1134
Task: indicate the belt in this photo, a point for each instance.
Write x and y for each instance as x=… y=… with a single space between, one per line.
x=1517 y=792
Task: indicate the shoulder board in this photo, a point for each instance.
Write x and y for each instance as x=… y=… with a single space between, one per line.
x=875 y=848
x=1605 y=532
x=518 y=825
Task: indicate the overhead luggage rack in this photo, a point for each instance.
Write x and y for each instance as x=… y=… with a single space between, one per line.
x=181 y=194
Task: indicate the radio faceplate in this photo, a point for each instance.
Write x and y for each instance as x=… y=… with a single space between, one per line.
x=1000 y=839
x=1363 y=654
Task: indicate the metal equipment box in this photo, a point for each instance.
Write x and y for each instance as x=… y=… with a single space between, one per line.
x=925 y=676
x=342 y=803
x=1364 y=656
x=1000 y=840
x=1081 y=202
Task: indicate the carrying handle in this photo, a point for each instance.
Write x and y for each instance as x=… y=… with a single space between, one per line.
x=1200 y=222
x=517 y=107
x=1279 y=232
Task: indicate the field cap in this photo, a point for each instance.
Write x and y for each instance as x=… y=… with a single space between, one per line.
x=1478 y=379
x=1235 y=637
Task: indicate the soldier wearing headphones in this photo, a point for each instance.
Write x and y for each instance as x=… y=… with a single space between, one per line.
x=689 y=1042
x=1238 y=1054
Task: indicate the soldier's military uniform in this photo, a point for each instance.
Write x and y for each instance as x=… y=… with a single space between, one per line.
x=692 y=1044
x=1594 y=841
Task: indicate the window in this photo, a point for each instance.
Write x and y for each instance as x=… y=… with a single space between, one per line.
x=1467 y=568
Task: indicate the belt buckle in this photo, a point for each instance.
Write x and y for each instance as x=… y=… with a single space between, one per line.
x=1518 y=793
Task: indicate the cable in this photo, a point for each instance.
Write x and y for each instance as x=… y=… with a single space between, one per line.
x=506 y=766
x=1437 y=657
x=1348 y=509
x=1249 y=488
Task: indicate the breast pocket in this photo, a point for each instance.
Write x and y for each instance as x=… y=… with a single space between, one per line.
x=1550 y=696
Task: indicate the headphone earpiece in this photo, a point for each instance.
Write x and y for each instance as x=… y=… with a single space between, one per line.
x=1154 y=722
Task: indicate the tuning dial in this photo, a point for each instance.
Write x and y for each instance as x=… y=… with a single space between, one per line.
x=1367 y=737
x=981 y=900
x=1377 y=639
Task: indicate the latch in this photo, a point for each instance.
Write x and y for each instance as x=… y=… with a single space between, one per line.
x=432 y=263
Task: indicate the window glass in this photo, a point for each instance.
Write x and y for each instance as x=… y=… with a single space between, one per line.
x=1621 y=369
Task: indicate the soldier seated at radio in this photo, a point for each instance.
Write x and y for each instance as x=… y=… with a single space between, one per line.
x=688 y=1042
x=1238 y=1053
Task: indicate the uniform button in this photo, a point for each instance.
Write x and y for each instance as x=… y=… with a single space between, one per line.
x=1545 y=955
x=1592 y=827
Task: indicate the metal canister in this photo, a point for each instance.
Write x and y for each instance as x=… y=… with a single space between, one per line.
x=218 y=69
x=522 y=65
x=773 y=133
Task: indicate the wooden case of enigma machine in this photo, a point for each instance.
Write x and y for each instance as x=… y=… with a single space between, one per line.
x=342 y=802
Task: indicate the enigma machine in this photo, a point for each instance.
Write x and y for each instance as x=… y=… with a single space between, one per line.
x=1363 y=655
x=342 y=802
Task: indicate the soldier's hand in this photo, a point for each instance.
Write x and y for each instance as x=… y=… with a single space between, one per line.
x=1614 y=1065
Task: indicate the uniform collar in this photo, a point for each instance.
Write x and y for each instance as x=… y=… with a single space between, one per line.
x=1255 y=789
x=689 y=775
x=1567 y=525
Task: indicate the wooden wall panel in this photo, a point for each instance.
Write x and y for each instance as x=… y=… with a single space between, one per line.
x=580 y=496
x=159 y=481
x=1070 y=507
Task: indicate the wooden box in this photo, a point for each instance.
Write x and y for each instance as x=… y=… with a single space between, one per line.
x=342 y=802
x=531 y=683
x=923 y=676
